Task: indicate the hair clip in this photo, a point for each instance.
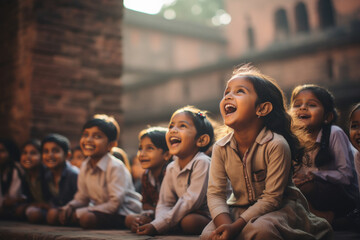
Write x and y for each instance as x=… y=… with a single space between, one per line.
x=201 y=115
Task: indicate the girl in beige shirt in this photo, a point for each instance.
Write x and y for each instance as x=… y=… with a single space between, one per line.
x=256 y=158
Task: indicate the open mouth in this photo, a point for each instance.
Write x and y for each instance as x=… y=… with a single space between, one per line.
x=174 y=140
x=229 y=108
x=144 y=160
x=303 y=116
x=89 y=147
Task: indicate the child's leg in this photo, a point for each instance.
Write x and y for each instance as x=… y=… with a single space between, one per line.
x=194 y=223
x=88 y=220
x=327 y=200
x=207 y=231
x=52 y=216
x=35 y=214
x=99 y=220
x=20 y=212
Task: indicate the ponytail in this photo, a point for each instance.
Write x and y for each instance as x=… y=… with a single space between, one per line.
x=324 y=156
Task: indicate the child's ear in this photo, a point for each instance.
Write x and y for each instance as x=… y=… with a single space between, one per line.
x=68 y=155
x=264 y=109
x=111 y=145
x=167 y=155
x=203 y=140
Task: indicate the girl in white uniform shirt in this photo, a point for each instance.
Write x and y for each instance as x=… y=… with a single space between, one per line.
x=182 y=199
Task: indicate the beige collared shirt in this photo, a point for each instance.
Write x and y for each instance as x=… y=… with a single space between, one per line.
x=106 y=188
x=180 y=193
x=259 y=180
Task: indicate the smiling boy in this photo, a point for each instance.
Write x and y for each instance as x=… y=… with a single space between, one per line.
x=106 y=193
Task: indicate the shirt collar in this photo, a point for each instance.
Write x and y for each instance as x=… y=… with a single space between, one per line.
x=263 y=137
x=101 y=164
x=189 y=164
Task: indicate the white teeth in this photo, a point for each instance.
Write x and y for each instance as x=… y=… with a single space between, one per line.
x=88 y=147
x=228 y=105
x=175 y=140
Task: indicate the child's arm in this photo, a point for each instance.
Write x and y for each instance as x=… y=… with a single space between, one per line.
x=170 y=210
x=146 y=199
x=217 y=194
x=81 y=198
x=341 y=171
x=117 y=178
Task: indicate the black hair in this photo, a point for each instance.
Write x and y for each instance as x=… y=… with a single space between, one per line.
x=36 y=143
x=327 y=101
x=60 y=140
x=12 y=149
x=106 y=125
x=201 y=122
x=77 y=147
x=157 y=137
x=278 y=120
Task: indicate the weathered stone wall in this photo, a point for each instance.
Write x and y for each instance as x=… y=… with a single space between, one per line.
x=62 y=64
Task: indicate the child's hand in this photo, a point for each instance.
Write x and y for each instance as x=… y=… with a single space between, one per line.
x=65 y=214
x=223 y=232
x=147 y=229
x=139 y=221
x=301 y=179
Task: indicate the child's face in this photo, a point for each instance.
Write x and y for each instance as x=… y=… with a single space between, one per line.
x=237 y=106
x=4 y=155
x=149 y=155
x=53 y=155
x=355 y=129
x=307 y=111
x=181 y=136
x=94 y=143
x=30 y=157
x=77 y=158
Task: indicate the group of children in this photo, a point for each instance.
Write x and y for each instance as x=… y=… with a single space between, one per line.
x=273 y=173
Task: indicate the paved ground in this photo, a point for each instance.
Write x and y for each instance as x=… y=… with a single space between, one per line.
x=25 y=231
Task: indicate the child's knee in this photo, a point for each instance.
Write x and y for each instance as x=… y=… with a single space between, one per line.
x=260 y=229
x=194 y=223
x=88 y=220
x=129 y=220
x=52 y=217
x=34 y=215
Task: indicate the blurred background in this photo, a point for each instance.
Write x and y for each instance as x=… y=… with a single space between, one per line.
x=138 y=60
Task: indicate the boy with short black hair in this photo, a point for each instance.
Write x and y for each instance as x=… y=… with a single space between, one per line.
x=61 y=178
x=105 y=193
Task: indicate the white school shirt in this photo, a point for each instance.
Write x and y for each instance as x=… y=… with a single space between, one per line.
x=181 y=194
x=106 y=188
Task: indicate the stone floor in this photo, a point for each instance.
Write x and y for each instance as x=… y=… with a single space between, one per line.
x=25 y=231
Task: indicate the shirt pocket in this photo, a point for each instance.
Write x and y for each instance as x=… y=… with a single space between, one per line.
x=258 y=178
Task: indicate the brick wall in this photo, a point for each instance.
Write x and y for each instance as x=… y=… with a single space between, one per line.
x=64 y=64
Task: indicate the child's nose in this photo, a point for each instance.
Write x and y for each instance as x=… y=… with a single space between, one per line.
x=303 y=106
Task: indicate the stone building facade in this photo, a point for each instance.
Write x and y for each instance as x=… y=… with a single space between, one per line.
x=295 y=42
